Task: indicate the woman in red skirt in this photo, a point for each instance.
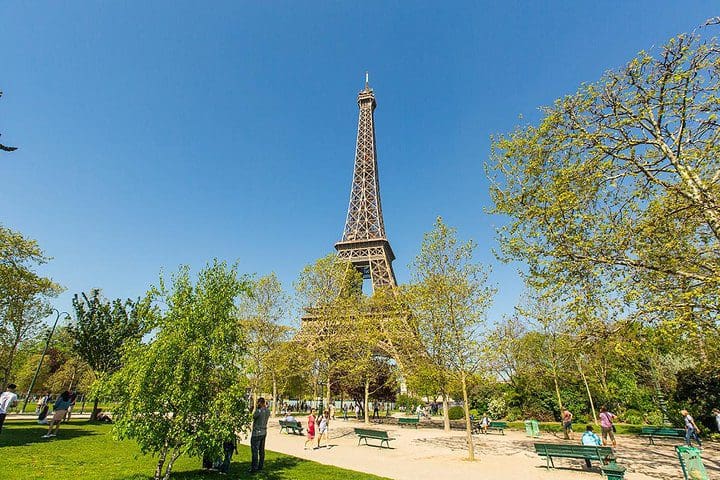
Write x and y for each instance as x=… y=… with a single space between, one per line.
x=310 y=428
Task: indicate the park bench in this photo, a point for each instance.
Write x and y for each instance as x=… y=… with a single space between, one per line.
x=409 y=421
x=499 y=426
x=382 y=435
x=661 y=432
x=561 y=450
x=288 y=426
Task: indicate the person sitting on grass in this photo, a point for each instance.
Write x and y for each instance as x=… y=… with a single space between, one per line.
x=590 y=438
x=59 y=411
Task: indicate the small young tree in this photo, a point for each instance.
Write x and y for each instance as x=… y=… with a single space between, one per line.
x=449 y=299
x=184 y=391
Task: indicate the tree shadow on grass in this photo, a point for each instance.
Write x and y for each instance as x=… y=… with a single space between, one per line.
x=20 y=434
x=274 y=469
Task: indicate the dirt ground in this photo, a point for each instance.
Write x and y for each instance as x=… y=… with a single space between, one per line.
x=432 y=454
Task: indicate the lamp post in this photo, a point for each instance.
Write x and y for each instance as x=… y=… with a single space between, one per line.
x=42 y=357
x=321 y=384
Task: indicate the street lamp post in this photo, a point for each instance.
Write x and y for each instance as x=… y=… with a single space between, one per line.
x=42 y=357
x=322 y=396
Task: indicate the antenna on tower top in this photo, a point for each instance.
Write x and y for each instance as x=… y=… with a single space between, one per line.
x=367 y=80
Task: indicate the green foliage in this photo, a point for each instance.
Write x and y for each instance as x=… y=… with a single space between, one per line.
x=184 y=391
x=407 y=403
x=698 y=391
x=24 y=295
x=456 y=412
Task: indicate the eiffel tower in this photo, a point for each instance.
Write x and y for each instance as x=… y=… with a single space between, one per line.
x=363 y=242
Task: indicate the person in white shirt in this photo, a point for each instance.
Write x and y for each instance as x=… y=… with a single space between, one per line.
x=8 y=400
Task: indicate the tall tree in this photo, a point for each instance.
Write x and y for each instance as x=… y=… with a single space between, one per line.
x=101 y=329
x=183 y=392
x=449 y=298
x=261 y=316
x=24 y=294
x=329 y=292
x=620 y=181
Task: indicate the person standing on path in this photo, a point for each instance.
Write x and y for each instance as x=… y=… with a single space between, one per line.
x=606 y=425
x=567 y=424
x=323 y=425
x=8 y=399
x=59 y=410
x=259 y=433
x=691 y=429
x=310 y=429
x=716 y=414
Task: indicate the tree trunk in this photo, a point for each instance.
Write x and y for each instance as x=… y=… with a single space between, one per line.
x=11 y=359
x=274 y=396
x=327 y=397
x=94 y=413
x=557 y=388
x=367 y=401
x=468 y=425
x=168 y=470
x=161 y=462
x=446 y=413
x=254 y=397
x=587 y=389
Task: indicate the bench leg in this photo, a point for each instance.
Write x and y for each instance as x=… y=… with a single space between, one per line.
x=552 y=464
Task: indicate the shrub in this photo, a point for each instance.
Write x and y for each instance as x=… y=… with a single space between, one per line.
x=456 y=413
x=497 y=408
x=633 y=416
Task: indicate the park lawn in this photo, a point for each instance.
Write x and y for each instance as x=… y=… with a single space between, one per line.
x=87 y=451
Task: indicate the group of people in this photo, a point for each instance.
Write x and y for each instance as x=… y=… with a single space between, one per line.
x=321 y=423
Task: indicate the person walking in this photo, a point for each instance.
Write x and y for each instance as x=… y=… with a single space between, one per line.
x=376 y=411
x=323 y=426
x=59 y=410
x=8 y=399
x=310 y=429
x=606 y=426
x=357 y=411
x=259 y=433
x=716 y=414
x=691 y=429
x=567 y=424
x=73 y=398
x=484 y=423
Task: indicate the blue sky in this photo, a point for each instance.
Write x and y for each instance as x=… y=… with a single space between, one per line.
x=154 y=134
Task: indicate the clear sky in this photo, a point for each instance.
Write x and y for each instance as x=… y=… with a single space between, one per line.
x=154 y=134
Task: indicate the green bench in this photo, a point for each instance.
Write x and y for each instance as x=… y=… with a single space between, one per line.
x=295 y=427
x=562 y=450
x=382 y=435
x=409 y=421
x=661 y=432
x=499 y=426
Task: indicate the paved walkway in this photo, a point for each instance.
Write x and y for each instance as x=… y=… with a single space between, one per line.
x=432 y=454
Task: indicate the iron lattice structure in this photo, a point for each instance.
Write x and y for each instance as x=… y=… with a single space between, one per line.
x=364 y=243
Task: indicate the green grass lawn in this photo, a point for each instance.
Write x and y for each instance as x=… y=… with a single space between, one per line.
x=87 y=451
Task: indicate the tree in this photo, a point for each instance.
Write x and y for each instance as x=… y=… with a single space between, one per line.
x=449 y=298
x=102 y=329
x=23 y=294
x=329 y=292
x=5 y=148
x=183 y=392
x=260 y=317
x=620 y=181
